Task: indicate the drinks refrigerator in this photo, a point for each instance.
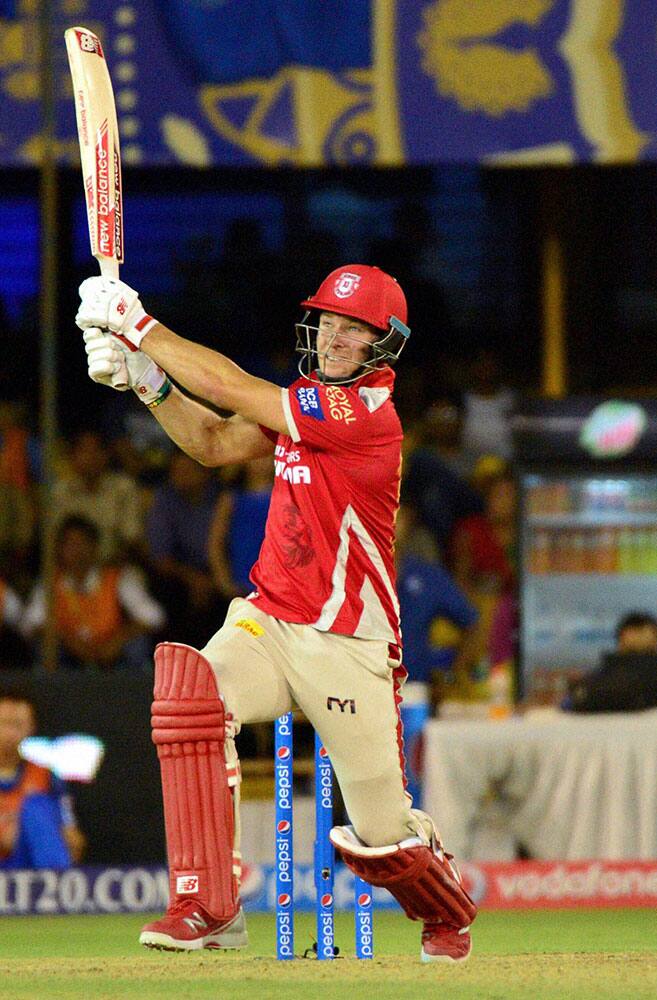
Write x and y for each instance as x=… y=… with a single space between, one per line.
x=587 y=476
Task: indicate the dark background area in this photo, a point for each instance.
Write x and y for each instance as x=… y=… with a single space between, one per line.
x=224 y=256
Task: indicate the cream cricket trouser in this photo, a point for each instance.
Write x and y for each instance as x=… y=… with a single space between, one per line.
x=345 y=687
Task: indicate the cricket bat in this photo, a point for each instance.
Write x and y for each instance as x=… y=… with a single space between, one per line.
x=100 y=153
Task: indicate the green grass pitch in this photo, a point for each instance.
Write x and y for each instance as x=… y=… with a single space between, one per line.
x=533 y=955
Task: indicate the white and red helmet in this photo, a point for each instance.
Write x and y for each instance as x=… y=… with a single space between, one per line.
x=365 y=293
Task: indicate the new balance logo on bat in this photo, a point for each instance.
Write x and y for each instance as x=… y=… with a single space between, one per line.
x=342 y=703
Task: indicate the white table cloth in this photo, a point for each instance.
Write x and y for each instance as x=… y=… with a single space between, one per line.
x=564 y=786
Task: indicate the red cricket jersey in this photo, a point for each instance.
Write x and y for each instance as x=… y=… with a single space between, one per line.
x=327 y=556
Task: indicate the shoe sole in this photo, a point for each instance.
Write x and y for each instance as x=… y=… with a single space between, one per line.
x=445 y=959
x=162 y=942
x=231 y=938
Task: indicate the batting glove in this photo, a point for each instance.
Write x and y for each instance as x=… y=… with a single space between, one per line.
x=106 y=364
x=107 y=356
x=110 y=304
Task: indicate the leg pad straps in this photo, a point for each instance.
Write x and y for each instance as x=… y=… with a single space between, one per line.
x=426 y=882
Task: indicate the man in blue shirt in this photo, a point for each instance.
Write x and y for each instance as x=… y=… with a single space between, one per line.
x=178 y=529
x=426 y=592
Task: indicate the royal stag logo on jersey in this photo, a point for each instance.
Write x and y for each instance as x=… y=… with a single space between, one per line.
x=346 y=284
x=339 y=403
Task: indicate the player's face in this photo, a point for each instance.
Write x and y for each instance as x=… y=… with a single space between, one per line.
x=343 y=343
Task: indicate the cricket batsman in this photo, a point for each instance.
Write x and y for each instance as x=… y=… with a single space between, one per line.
x=320 y=629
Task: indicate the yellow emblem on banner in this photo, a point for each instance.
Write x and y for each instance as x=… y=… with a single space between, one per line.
x=250 y=626
x=459 y=53
x=332 y=118
x=463 y=51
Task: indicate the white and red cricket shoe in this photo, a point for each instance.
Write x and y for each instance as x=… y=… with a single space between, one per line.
x=187 y=926
x=445 y=943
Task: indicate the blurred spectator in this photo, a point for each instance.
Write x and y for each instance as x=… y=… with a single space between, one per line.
x=110 y=500
x=487 y=408
x=426 y=592
x=104 y=616
x=484 y=562
x=178 y=532
x=16 y=530
x=37 y=825
x=435 y=477
x=19 y=476
x=238 y=528
x=138 y=445
x=13 y=651
x=19 y=448
x=626 y=680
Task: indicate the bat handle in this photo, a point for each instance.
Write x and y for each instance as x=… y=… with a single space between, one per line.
x=109 y=268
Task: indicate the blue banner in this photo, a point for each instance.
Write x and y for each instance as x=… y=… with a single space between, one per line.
x=324 y=82
x=145 y=889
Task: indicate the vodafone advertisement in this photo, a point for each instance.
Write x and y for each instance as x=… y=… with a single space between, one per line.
x=519 y=885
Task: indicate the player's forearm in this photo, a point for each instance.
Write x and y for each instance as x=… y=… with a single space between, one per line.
x=202 y=371
x=195 y=429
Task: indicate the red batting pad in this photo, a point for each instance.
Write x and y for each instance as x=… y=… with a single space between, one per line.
x=188 y=721
x=427 y=886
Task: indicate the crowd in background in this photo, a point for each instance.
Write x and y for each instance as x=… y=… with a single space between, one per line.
x=150 y=544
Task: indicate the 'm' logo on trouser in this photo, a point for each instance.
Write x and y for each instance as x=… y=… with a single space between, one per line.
x=342 y=704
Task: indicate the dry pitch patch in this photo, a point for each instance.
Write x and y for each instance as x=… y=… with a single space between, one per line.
x=192 y=977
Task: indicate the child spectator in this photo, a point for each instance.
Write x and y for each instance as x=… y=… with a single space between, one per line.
x=37 y=824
